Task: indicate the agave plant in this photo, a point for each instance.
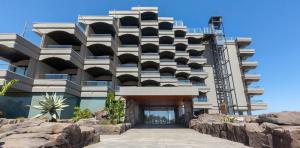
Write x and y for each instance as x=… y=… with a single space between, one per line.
x=7 y=85
x=51 y=104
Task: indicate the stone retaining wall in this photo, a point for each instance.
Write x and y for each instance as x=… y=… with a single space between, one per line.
x=254 y=133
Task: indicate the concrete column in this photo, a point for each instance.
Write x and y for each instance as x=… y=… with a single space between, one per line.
x=176 y=115
x=32 y=67
x=130 y=111
x=188 y=111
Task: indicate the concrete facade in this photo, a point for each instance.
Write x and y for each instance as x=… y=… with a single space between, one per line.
x=137 y=54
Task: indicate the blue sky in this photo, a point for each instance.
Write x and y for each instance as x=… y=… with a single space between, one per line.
x=273 y=25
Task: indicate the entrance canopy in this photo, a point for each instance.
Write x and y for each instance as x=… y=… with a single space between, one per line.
x=158 y=91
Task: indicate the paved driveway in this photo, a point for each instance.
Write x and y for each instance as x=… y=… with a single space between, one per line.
x=163 y=138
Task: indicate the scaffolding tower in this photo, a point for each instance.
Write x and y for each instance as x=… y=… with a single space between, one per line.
x=222 y=68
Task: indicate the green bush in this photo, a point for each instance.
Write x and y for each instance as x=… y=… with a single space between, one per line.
x=81 y=114
x=228 y=119
x=115 y=108
x=105 y=121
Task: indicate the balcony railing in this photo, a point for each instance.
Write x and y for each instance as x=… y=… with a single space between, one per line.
x=149 y=72
x=257 y=101
x=200 y=99
x=100 y=35
x=183 y=66
x=15 y=69
x=184 y=81
x=197 y=70
x=99 y=57
x=167 y=60
x=74 y=48
x=69 y=77
x=198 y=84
x=127 y=65
x=98 y=83
x=168 y=77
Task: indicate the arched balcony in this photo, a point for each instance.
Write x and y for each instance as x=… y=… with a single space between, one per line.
x=195 y=65
x=166 y=55
x=129 y=21
x=11 y=54
x=150 y=66
x=166 y=40
x=149 y=31
x=193 y=52
x=149 y=16
x=150 y=83
x=165 y=26
x=168 y=85
x=180 y=33
x=128 y=80
x=150 y=48
x=101 y=50
x=167 y=71
x=197 y=81
x=192 y=40
x=129 y=39
x=102 y=28
x=62 y=38
x=128 y=58
x=182 y=75
x=99 y=73
x=180 y=47
x=181 y=60
x=59 y=64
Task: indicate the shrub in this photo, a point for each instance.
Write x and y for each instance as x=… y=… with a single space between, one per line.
x=81 y=114
x=115 y=108
x=50 y=105
x=228 y=119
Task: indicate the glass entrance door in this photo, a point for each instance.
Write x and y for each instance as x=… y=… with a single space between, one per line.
x=159 y=115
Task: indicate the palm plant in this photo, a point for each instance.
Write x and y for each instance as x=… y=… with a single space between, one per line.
x=7 y=85
x=51 y=104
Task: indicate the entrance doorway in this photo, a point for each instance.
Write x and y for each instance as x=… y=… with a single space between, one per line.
x=159 y=115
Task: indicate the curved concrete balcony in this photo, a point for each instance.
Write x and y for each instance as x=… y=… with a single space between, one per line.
x=71 y=29
x=255 y=91
x=251 y=78
x=150 y=40
x=202 y=87
x=57 y=83
x=89 y=19
x=127 y=69
x=179 y=27
x=198 y=60
x=198 y=73
x=105 y=39
x=15 y=47
x=124 y=13
x=246 y=53
x=150 y=57
x=243 y=41
x=247 y=65
x=197 y=47
x=149 y=23
x=150 y=75
x=64 y=52
x=168 y=33
x=168 y=81
x=184 y=83
x=183 y=68
x=133 y=30
x=9 y=72
x=166 y=47
x=258 y=105
x=95 y=88
x=194 y=33
x=180 y=40
x=168 y=63
x=182 y=54
x=128 y=49
x=104 y=62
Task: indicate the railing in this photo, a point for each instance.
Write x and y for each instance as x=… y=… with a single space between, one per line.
x=69 y=77
x=200 y=99
x=201 y=30
x=127 y=65
x=197 y=57
x=257 y=101
x=15 y=69
x=165 y=44
x=150 y=37
x=168 y=77
x=98 y=83
x=150 y=54
x=100 y=35
x=184 y=81
x=128 y=27
x=128 y=45
x=183 y=66
x=167 y=60
x=178 y=23
x=198 y=84
x=197 y=70
x=145 y=72
x=75 y=48
x=99 y=57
